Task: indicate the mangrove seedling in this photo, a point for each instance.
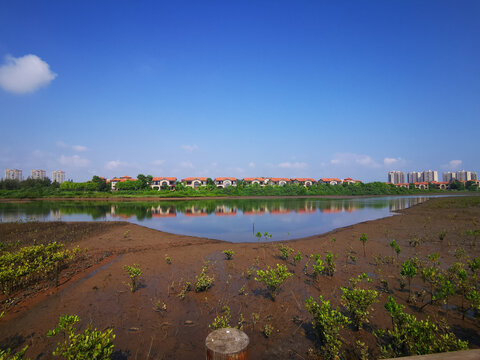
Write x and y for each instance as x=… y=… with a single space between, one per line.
x=133 y=273
x=409 y=270
x=203 y=281
x=168 y=259
x=285 y=251
x=328 y=322
x=273 y=278
x=186 y=287
x=221 y=321
x=89 y=344
x=363 y=239
x=330 y=265
x=297 y=258
x=357 y=301
x=267 y=330
x=229 y=254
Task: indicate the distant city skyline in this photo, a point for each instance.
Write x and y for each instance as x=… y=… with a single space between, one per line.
x=281 y=89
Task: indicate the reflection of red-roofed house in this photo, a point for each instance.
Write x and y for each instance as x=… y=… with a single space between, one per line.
x=160 y=182
x=279 y=181
x=442 y=185
x=219 y=213
x=164 y=212
x=254 y=212
x=195 y=214
x=164 y=215
x=223 y=182
x=421 y=185
x=114 y=181
x=255 y=180
x=303 y=181
x=195 y=182
x=331 y=181
x=223 y=210
x=331 y=211
x=305 y=211
x=123 y=216
x=280 y=211
x=194 y=211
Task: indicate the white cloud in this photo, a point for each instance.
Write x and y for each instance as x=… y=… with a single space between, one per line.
x=391 y=161
x=115 y=164
x=189 y=148
x=158 y=162
x=186 y=165
x=61 y=144
x=25 y=74
x=453 y=165
x=79 y=148
x=75 y=161
x=295 y=165
x=349 y=159
x=252 y=165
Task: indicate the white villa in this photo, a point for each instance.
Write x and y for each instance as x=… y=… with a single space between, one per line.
x=195 y=182
x=223 y=182
x=160 y=182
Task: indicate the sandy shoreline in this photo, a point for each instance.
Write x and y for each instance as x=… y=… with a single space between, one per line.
x=97 y=292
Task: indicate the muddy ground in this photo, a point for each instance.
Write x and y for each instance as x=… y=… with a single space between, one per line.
x=95 y=286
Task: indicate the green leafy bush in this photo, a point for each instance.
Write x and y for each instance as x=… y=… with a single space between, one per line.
x=133 y=272
x=7 y=354
x=327 y=322
x=358 y=301
x=409 y=270
x=285 y=251
x=415 y=337
x=90 y=344
x=229 y=254
x=221 y=321
x=273 y=278
x=203 y=281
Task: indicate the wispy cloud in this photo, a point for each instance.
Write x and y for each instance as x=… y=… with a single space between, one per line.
x=158 y=162
x=115 y=164
x=186 y=165
x=74 y=161
x=189 y=148
x=392 y=161
x=79 y=148
x=25 y=74
x=251 y=165
x=453 y=165
x=295 y=165
x=349 y=159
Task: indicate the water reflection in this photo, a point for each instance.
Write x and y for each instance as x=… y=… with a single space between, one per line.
x=220 y=219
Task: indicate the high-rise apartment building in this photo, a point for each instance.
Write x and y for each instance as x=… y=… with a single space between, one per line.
x=414 y=176
x=58 y=176
x=396 y=177
x=430 y=175
x=449 y=176
x=13 y=174
x=463 y=175
x=38 y=174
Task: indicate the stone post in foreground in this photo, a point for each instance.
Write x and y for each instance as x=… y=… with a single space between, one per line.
x=227 y=344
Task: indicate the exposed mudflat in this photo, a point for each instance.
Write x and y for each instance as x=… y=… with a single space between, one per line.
x=95 y=287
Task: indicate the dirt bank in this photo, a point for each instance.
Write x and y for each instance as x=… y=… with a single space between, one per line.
x=98 y=294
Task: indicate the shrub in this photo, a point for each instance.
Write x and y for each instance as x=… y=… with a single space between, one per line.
x=330 y=264
x=409 y=269
x=297 y=258
x=327 y=322
x=416 y=337
x=363 y=239
x=133 y=272
x=203 y=281
x=285 y=250
x=273 y=278
x=357 y=301
x=90 y=344
x=221 y=321
x=7 y=354
x=229 y=254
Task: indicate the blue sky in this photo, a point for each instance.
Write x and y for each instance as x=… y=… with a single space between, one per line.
x=239 y=88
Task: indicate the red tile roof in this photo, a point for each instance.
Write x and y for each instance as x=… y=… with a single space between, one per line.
x=330 y=179
x=279 y=179
x=303 y=179
x=195 y=178
x=225 y=178
x=254 y=178
x=164 y=178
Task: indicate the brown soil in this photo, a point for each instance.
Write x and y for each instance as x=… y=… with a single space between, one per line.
x=95 y=287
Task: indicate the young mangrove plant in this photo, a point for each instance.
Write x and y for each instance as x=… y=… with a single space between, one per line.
x=358 y=301
x=168 y=259
x=327 y=322
x=409 y=270
x=221 y=321
x=133 y=272
x=186 y=288
x=410 y=336
x=7 y=354
x=267 y=330
x=203 y=281
x=90 y=344
x=297 y=258
x=330 y=265
x=285 y=251
x=273 y=278
x=363 y=239
x=229 y=254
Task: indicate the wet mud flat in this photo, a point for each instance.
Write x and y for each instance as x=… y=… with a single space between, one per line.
x=154 y=322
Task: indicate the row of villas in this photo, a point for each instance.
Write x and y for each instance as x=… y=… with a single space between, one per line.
x=223 y=182
x=424 y=185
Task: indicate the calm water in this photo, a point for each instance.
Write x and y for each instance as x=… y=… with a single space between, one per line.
x=230 y=220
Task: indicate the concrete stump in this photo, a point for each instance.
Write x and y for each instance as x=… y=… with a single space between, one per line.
x=227 y=344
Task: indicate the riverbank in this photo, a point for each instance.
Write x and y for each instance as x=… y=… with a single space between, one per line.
x=154 y=323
